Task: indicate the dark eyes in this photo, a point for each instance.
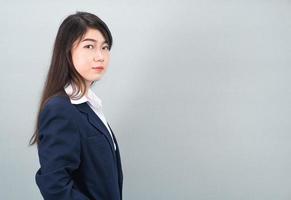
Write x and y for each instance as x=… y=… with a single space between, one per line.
x=105 y=47
x=90 y=46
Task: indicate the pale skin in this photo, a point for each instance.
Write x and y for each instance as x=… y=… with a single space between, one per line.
x=89 y=54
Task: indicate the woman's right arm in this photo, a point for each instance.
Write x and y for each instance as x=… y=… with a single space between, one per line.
x=59 y=152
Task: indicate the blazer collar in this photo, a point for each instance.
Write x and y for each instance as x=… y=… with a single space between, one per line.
x=91 y=97
x=96 y=122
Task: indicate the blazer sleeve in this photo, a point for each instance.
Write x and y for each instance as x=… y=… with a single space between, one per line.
x=59 y=153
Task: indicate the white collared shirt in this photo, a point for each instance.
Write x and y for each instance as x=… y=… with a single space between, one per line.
x=95 y=104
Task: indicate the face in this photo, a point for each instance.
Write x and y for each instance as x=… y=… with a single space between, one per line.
x=90 y=56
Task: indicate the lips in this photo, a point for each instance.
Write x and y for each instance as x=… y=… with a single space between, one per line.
x=98 y=67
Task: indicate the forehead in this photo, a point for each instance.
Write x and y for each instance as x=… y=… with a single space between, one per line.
x=93 y=34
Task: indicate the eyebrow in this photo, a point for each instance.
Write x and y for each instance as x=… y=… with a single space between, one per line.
x=93 y=40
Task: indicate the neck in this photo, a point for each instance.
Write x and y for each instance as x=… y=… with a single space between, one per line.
x=88 y=85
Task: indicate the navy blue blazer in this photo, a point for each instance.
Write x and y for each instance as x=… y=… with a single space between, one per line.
x=76 y=154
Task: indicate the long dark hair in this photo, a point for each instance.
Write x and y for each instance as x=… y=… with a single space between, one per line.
x=62 y=71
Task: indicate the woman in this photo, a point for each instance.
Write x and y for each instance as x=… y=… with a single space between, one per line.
x=78 y=152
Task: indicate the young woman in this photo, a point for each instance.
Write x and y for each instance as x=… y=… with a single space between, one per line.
x=78 y=152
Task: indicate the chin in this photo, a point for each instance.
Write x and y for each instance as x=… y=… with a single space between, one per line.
x=98 y=78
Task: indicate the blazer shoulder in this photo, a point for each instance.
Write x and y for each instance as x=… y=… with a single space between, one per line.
x=59 y=104
x=58 y=101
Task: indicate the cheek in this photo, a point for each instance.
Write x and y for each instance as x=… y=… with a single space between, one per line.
x=107 y=59
x=81 y=62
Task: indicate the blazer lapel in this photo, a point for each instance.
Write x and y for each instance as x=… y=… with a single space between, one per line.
x=96 y=122
x=120 y=173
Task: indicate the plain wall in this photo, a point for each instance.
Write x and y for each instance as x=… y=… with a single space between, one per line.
x=197 y=93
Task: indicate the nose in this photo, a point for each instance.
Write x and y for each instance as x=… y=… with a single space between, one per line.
x=98 y=56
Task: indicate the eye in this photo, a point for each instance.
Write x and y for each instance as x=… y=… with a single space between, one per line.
x=105 y=47
x=90 y=46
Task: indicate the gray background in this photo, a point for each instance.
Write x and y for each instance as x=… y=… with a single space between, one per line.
x=198 y=94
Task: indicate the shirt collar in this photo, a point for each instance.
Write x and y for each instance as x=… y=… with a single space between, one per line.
x=91 y=97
